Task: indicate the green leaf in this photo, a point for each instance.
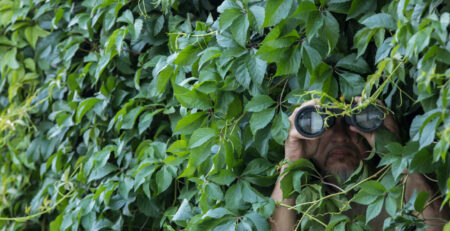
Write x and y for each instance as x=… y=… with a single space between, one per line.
x=257 y=12
x=420 y=201
x=102 y=156
x=201 y=136
x=352 y=63
x=163 y=178
x=384 y=50
x=84 y=107
x=374 y=209
x=259 y=103
x=280 y=128
x=276 y=10
x=227 y=18
x=184 y=212
x=259 y=222
x=290 y=62
x=351 y=84
x=159 y=24
x=143 y=173
x=32 y=34
x=381 y=20
x=233 y=196
x=239 y=29
x=256 y=166
x=256 y=69
x=130 y=118
x=313 y=23
x=99 y=173
x=217 y=213
x=125 y=186
x=187 y=56
x=331 y=30
x=189 y=123
x=225 y=177
x=305 y=6
x=146 y=119
x=56 y=224
x=10 y=59
x=364 y=198
x=191 y=98
x=163 y=78
x=391 y=205
x=260 y=119
x=209 y=54
x=311 y=57
x=102 y=63
x=373 y=188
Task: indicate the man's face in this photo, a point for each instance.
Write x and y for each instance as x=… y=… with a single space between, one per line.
x=338 y=150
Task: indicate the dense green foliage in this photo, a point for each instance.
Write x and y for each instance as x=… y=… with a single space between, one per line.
x=164 y=114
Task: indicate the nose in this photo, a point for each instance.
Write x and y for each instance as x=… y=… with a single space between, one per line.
x=340 y=132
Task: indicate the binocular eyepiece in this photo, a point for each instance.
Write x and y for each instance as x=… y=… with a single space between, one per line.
x=311 y=121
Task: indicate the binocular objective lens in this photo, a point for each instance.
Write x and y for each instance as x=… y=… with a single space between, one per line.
x=310 y=122
x=369 y=119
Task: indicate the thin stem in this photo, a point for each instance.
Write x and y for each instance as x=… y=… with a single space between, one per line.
x=314 y=203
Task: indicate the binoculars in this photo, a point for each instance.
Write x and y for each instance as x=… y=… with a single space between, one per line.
x=311 y=121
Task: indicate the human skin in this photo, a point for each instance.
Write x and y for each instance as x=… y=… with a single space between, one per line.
x=338 y=150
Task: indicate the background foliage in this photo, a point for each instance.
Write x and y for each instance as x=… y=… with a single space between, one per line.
x=171 y=114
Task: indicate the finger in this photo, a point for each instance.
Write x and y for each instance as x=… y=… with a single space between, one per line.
x=370 y=137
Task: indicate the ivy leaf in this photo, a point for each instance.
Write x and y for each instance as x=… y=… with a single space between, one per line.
x=331 y=30
x=209 y=54
x=351 y=84
x=191 y=98
x=163 y=178
x=290 y=63
x=280 y=127
x=311 y=57
x=239 y=29
x=201 y=136
x=420 y=201
x=373 y=188
x=259 y=103
x=84 y=107
x=256 y=69
x=146 y=119
x=313 y=23
x=384 y=50
x=381 y=20
x=189 y=123
x=305 y=6
x=261 y=119
x=374 y=209
x=130 y=118
x=275 y=11
x=10 y=59
x=352 y=63
x=227 y=18
x=184 y=212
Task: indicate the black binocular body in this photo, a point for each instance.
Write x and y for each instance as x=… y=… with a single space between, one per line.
x=312 y=121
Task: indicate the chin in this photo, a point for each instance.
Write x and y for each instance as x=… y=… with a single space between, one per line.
x=341 y=169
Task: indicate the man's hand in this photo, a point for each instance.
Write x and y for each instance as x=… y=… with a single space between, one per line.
x=388 y=122
x=284 y=219
x=294 y=147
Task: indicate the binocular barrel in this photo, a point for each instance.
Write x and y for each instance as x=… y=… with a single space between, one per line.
x=312 y=121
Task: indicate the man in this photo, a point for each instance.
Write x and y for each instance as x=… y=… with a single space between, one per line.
x=338 y=151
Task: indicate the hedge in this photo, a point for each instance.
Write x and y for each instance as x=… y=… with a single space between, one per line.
x=166 y=114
